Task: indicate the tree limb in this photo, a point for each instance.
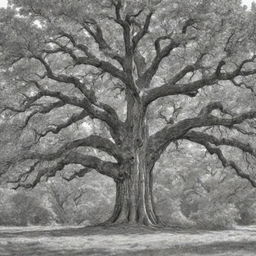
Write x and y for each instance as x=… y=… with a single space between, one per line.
x=159 y=141
x=93 y=141
x=78 y=174
x=226 y=163
x=57 y=128
x=94 y=108
x=171 y=88
x=137 y=38
x=244 y=147
x=106 y=168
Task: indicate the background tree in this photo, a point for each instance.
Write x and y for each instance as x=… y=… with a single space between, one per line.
x=118 y=66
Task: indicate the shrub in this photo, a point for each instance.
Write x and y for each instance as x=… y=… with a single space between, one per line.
x=22 y=210
x=216 y=215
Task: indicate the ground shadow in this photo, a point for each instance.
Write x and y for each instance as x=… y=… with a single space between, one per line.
x=35 y=249
x=96 y=230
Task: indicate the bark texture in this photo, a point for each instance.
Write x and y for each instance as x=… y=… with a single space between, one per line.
x=134 y=205
x=128 y=143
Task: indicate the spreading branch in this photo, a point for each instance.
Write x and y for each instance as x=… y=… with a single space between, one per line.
x=138 y=37
x=93 y=141
x=56 y=128
x=90 y=104
x=173 y=88
x=244 y=147
x=225 y=162
x=146 y=78
x=78 y=174
x=171 y=132
x=106 y=168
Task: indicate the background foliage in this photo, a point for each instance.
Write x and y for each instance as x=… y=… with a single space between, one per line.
x=191 y=187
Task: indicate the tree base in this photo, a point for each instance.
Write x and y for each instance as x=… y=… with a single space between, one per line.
x=131 y=226
x=141 y=222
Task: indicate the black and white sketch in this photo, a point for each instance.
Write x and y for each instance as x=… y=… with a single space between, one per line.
x=127 y=126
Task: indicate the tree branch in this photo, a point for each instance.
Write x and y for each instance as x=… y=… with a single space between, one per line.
x=191 y=89
x=160 y=55
x=106 y=168
x=221 y=142
x=159 y=141
x=93 y=141
x=98 y=37
x=226 y=163
x=78 y=174
x=138 y=37
x=57 y=128
x=94 y=108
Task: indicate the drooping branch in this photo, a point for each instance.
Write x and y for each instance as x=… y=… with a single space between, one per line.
x=244 y=147
x=109 y=169
x=44 y=172
x=171 y=132
x=104 y=167
x=225 y=162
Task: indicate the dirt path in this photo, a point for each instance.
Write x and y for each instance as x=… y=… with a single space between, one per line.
x=36 y=241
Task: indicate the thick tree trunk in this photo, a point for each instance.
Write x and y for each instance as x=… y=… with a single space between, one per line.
x=134 y=200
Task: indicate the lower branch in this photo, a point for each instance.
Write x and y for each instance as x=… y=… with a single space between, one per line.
x=225 y=162
x=159 y=141
x=223 y=141
x=109 y=169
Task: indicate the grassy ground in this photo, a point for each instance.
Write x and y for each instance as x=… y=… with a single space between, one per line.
x=120 y=241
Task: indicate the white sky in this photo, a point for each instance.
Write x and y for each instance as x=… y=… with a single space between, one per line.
x=247 y=2
x=3 y=3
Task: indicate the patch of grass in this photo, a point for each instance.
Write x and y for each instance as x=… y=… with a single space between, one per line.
x=126 y=241
x=225 y=248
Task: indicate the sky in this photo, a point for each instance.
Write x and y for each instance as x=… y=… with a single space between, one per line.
x=3 y=3
x=247 y=2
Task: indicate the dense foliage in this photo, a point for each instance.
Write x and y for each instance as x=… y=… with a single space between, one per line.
x=145 y=93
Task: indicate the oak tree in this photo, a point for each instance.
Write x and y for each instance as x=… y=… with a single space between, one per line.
x=183 y=70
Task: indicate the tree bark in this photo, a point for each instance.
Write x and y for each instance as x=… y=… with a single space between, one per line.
x=134 y=206
x=134 y=199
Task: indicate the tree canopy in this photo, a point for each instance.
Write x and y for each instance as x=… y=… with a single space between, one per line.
x=110 y=85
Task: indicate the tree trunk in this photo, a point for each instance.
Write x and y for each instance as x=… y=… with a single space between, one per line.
x=134 y=200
